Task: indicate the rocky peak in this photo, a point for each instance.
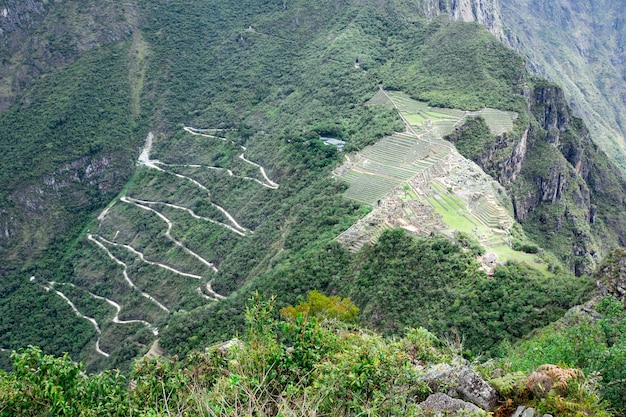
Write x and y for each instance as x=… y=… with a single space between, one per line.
x=549 y=106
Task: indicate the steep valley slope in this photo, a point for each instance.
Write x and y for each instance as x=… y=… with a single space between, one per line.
x=574 y=43
x=579 y=45
x=178 y=169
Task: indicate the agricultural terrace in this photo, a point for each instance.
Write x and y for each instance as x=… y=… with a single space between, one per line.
x=427 y=177
x=393 y=160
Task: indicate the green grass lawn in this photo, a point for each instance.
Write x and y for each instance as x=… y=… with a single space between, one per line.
x=506 y=253
x=456 y=218
x=415 y=119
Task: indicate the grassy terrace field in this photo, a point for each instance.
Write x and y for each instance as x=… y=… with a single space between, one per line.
x=393 y=160
x=392 y=165
x=368 y=188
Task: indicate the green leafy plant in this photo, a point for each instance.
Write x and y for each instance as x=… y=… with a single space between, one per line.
x=323 y=307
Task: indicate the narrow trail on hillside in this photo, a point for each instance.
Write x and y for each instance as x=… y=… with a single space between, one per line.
x=228 y=222
x=213 y=293
x=125 y=273
x=193 y=214
x=268 y=182
x=50 y=287
x=102 y=215
x=116 y=319
x=144 y=159
x=168 y=233
x=202 y=294
x=141 y=256
x=200 y=132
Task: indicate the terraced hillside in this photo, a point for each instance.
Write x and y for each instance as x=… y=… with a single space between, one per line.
x=418 y=181
x=378 y=169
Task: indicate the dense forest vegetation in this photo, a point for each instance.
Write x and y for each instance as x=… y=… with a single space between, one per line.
x=400 y=282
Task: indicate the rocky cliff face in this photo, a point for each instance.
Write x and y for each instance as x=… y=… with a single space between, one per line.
x=577 y=44
x=611 y=275
x=39 y=211
x=19 y=14
x=38 y=36
x=485 y=12
x=580 y=45
x=564 y=189
x=550 y=109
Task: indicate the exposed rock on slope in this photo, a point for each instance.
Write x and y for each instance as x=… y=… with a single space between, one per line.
x=485 y=12
x=38 y=210
x=611 y=274
x=583 y=187
x=565 y=191
x=76 y=157
x=440 y=404
x=580 y=46
x=462 y=382
x=38 y=36
x=577 y=44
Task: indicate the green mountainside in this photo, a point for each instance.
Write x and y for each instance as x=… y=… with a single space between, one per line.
x=157 y=179
x=40 y=36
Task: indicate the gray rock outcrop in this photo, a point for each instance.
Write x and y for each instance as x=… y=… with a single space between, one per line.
x=611 y=275
x=476 y=390
x=440 y=404
x=462 y=382
x=485 y=12
x=522 y=411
